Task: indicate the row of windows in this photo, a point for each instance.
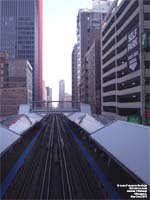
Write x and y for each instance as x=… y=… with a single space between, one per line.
x=128 y=28
x=111 y=98
x=135 y=97
x=109 y=56
x=127 y=15
x=109 y=67
x=109 y=36
x=109 y=88
x=109 y=45
x=132 y=24
x=23 y=24
x=109 y=77
x=129 y=83
x=25 y=28
x=25 y=42
x=146 y=2
x=147 y=64
x=108 y=26
x=122 y=111
x=124 y=72
x=147 y=80
x=111 y=109
x=134 y=82
x=122 y=47
x=25 y=32
x=18 y=8
x=122 y=8
x=29 y=37
x=146 y=16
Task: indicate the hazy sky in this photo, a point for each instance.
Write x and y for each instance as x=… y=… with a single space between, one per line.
x=59 y=37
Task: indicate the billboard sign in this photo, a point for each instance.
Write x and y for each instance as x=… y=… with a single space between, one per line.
x=133 y=49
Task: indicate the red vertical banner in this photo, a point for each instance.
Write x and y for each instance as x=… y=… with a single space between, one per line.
x=40 y=48
x=147 y=113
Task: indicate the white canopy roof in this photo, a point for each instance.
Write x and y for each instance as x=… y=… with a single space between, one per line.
x=128 y=143
x=7 y=138
x=15 y=126
x=85 y=121
x=75 y=115
x=21 y=123
x=34 y=117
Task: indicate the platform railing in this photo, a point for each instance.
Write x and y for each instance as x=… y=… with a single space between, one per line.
x=56 y=106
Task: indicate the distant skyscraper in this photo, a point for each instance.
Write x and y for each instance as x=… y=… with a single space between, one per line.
x=49 y=96
x=49 y=93
x=68 y=99
x=21 y=35
x=61 y=90
x=61 y=93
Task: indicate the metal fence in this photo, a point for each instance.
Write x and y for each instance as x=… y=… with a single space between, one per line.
x=58 y=106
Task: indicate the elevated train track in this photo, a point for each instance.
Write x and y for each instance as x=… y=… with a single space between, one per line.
x=55 y=168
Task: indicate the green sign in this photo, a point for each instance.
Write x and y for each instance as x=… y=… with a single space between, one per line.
x=144 y=40
x=136 y=119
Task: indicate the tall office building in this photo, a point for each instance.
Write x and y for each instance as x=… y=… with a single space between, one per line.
x=49 y=93
x=61 y=93
x=49 y=96
x=75 y=77
x=88 y=30
x=92 y=91
x=126 y=61
x=15 y=84
x=21 y=35
x=61 y=90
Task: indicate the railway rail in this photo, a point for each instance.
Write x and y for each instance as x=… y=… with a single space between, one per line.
x=55 y=168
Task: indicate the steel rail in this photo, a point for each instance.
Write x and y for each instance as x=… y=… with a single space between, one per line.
x=37 y=157
x=64 y=160
x=47 y=158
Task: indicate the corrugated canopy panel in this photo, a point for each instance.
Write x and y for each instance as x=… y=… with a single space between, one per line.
x=88 y=123
x=21 y=123
x=34 y=117
x=129 y=144
x=7 y=138
x=85 y=121
x=68 y=113
x=76 y=115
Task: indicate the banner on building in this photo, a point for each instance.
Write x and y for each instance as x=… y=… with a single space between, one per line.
x=133 y=49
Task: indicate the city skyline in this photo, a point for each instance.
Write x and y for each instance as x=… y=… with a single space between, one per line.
x=88 y=143
x=56 y=17
x=21 y=36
